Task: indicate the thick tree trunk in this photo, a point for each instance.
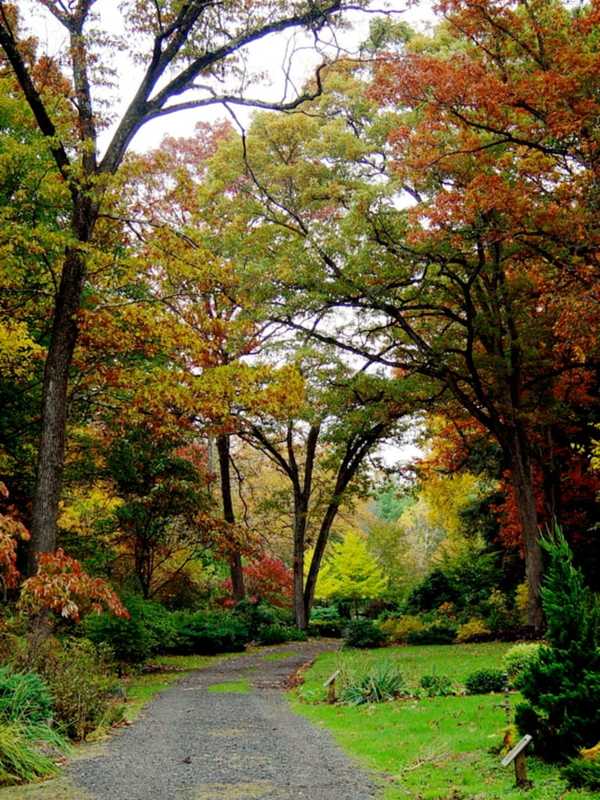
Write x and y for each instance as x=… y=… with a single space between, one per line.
x=522 y=483
x=300 y=519
x=54 y=408
x=317 y=558
x=235 y=558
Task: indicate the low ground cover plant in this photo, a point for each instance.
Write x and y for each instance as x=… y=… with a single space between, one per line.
x=435 y=685
x=582 y=773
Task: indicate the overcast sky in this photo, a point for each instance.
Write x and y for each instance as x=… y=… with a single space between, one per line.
x=267 y=56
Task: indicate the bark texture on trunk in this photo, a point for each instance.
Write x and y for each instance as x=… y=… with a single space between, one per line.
x=54 y=409
x=522 y=483
x=235 y=559
x=300 y=521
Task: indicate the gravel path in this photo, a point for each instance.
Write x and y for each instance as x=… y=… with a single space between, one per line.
x=191 y=744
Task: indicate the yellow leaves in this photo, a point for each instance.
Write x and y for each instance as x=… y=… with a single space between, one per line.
x=85 y=506
x=256 y=389
x=350 y=571
x=18 y=351
x=591 y=753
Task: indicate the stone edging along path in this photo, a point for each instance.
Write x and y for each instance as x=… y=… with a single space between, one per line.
x=195 y=744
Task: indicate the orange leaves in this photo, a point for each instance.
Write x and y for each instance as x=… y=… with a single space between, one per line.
x=62 y=586
x=11 y=531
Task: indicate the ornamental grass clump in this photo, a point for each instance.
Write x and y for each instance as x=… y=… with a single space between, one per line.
x=370 y=684
x=24 y=697
x=27 y=742
x=25 y=752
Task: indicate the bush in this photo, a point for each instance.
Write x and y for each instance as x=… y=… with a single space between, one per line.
x=129 y=639
x=333 y=630
x=561 y=686
x=581 y=773
x=209 y=632
x=433 y=590
x=363 y=633
x=274 y=634
x=398 y=630
x=378 y=684
x=433 y=634
x=150 y=629
x=326 y=621
x=83 y=684
x=475 y=630
x=256 y=616
x=518 y=659
x=24 y=753
x=24 y=697
x=485 y=681
x=437 y=685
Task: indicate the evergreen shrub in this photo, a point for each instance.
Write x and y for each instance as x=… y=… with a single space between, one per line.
x=580 y=773
x=561 y=687
x=436 y=633
x=209 y=632
x=518 y=658
x=363 y=633
x=485 y=681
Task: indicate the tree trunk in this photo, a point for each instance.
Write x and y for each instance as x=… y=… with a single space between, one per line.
x=300 y=518
x=235 y=558
x=54 y=409
x=522 y=482
x=319 y=551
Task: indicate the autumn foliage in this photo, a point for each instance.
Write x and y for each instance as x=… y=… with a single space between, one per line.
x=63 y=587
x=268 y=579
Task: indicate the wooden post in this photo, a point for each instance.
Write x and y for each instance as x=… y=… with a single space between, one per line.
x=521 y=772
x=330 y=686
x=517 y=755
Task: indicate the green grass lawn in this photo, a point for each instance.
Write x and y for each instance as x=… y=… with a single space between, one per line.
x=430 y=749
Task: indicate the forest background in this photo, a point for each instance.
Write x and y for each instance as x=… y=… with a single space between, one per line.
x=204 y=347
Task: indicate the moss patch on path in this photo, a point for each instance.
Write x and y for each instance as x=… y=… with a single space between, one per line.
x=230 y=687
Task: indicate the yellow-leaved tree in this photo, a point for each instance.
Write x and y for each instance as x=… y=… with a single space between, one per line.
x=351 y=573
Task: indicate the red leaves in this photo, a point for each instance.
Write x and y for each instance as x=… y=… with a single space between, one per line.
x=62 y=586
x=269 y=580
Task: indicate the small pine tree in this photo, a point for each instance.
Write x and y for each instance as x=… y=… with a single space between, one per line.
x=562 y=686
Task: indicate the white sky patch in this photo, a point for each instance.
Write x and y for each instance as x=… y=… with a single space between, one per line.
x=267 y=58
